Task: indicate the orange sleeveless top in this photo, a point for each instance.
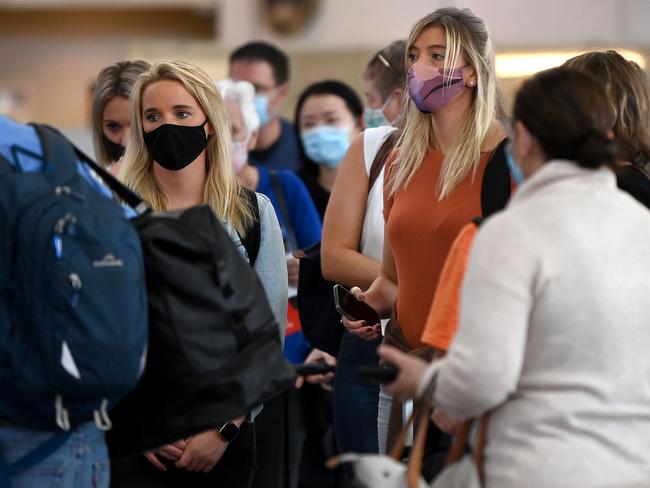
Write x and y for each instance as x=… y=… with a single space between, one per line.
x=420 y=230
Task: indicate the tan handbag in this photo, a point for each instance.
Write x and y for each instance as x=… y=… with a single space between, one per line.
x=464 y=469
x=388 y=471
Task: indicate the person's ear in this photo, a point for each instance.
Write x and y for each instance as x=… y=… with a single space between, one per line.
x=209 y=129
x=253 y=140
x=398 y=96
x=523 y=141
x=283 y=90
x=470 y=77
x=394 y=107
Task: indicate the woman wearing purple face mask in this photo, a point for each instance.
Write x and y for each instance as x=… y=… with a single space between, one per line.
x=433 y=183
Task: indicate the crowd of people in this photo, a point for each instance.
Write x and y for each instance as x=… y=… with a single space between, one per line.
x=506 y=255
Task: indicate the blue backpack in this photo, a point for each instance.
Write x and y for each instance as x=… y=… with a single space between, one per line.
x=73 y=301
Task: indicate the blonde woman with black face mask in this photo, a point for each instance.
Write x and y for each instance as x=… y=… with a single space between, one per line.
x=433 y=180
x=178 y=157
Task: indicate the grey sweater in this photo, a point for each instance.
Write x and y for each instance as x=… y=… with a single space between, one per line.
x=271 y=264
x=554 y=335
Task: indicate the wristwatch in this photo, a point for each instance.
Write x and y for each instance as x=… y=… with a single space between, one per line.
x=229 y=431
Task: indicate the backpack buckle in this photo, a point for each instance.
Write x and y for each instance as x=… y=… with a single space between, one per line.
x=62 y=416
x=102 y=421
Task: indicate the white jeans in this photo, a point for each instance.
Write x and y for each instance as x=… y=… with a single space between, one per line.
x=383 y=414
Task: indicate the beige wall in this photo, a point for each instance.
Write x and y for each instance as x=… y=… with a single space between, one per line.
x=49 y=60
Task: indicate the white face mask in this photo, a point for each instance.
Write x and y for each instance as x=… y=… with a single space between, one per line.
x=239 y=155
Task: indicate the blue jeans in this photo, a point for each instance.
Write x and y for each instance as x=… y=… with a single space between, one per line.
x=82 y=462
x=355 y=401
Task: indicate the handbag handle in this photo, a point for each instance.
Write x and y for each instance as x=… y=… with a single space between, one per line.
x=459 y=446
x=414 y=468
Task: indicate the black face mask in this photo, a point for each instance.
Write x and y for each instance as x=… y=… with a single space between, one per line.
x=115 y=151
x=175 y=146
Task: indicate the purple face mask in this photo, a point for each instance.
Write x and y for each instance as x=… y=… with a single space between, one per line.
x=431 y=88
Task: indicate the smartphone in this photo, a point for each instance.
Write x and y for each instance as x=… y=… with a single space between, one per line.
x=383 y=373
x=352 y=308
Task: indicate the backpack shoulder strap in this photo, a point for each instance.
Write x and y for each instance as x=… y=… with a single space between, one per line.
x=496 y=185
x=251 y=241
x=6 y=166
x=381 y=157
x=284 y=210
x=59 y=156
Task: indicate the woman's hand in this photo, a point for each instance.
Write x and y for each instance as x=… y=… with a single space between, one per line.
x=325 y=380
x=203 y=451
x=359 y=328
x=171 y=451
x=446 y=423
x=411 y=370
x=293 y=270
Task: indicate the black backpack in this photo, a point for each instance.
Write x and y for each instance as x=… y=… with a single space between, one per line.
x=214 y=346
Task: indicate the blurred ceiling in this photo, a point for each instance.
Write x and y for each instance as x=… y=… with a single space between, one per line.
x=341 y=24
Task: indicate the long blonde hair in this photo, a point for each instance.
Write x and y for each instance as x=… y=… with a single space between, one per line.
x=466 y=33
x=116 y=80
x=222 y=192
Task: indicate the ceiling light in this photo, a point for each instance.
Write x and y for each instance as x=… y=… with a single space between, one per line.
x=522 y=64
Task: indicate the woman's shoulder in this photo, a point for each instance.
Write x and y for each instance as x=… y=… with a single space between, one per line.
x=263 y=203
x=493 y=139
x=376 y=135
x=373 y=140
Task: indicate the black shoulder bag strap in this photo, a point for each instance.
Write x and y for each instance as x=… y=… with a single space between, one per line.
x=496 y=185
x=279 y=194
x=251 y=241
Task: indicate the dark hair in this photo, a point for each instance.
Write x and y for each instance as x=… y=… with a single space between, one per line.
x=327 y=87
x=386 y=69
x=568 y=112
x=626 y=86
x=263 y=51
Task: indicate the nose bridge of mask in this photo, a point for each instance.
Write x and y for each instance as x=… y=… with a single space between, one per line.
x=327 y=132
x=427 y=72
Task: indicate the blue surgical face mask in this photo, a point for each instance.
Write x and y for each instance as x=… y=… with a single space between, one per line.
x=515 y=170
x=326 y=144
x=374 y=117
x=261 y=103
